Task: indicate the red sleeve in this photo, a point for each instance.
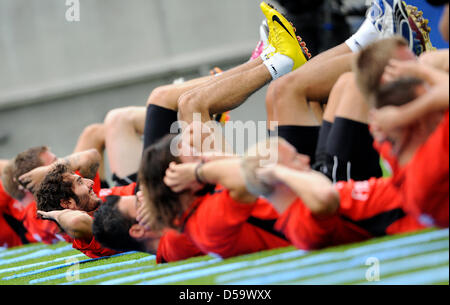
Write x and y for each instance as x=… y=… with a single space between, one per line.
x=303 y=229
x=174 y=246
x=364 y=199
x=376 y=205
x=385 y=151
x=126 y=190
x=219 y=225
x=5 y=199
x=39 y=230
x=8 y=238
x=426 y=185
x=219 y=216
x=92 y=248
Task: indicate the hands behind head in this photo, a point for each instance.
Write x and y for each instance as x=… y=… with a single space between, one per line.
x=33 y=178
x=143 y=212
x=384 y=120
x=401 y=69
x=180 y=177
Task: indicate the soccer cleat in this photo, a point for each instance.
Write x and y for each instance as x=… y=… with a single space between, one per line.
x=390 y=17
x=264 y=32
x=421 y=30
x=263 y=40
x=282 y=36
x=258 y=50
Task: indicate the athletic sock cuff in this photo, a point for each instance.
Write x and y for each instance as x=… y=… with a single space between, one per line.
x=158 y=123
x=303 y=138
x=278 y=65
x=366 y=34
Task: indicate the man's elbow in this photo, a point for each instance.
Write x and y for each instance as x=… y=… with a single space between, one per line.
x=94 y=155
x=327 y=203
x=242 y=195
x=80 y=226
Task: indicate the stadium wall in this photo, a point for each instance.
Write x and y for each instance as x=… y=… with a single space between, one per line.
x=56 y=76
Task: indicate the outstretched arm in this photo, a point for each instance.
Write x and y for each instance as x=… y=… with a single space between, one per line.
x=76 y=224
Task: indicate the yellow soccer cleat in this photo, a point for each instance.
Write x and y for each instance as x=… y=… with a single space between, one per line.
x=282 y=36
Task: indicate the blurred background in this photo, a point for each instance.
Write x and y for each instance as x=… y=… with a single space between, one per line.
x=57 y=76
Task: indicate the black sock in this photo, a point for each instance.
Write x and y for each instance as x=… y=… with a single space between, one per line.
x=323 y=160
x=157 y=123
x=322 y=140
x=118 y=181
x=303 y=138
x=104 y=184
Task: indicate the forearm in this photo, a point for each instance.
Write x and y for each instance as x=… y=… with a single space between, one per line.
x=214 y=156
x=434 y=100
x=431 y=75
x=438 y=59
x=315 y=189
x=76 y=224
x=86 y=162
x=226 y=172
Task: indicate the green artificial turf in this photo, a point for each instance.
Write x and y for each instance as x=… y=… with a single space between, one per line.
x=400 y=258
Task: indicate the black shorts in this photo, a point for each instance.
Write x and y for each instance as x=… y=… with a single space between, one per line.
x=125 y=180
x=349 y=152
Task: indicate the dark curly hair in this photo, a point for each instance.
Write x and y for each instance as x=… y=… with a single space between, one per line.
x=54 y=188
x=111 y=227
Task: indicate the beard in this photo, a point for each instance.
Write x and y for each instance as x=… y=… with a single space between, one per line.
x=89 y=203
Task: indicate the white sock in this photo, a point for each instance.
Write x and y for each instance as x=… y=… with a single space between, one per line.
x=278 y=65
x=366 y=34
x=266 y=51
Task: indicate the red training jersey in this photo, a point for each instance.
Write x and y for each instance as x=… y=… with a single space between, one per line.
x=216 y=223
x=174 y=246
x=426 y=183
x=367 y=209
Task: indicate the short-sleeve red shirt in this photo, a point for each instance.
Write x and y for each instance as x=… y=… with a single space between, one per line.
x=216 y=223
x=37 y=230
x=8 y=238
x=174 y=246
x=367 y=209
x=426 y=183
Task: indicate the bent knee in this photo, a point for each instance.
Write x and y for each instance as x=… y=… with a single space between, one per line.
x=287 y=90
x=93 y=130
x=346 y=79
x=190 y=103
x=120 y=116
x=161 y=96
